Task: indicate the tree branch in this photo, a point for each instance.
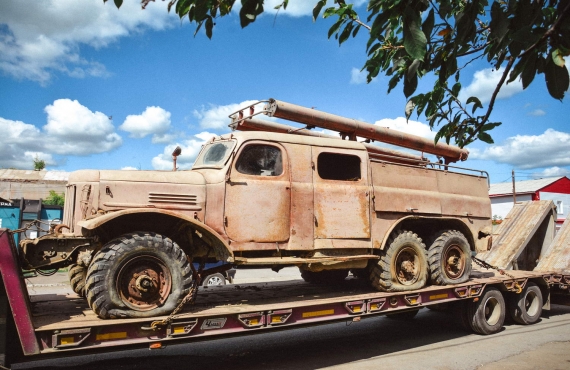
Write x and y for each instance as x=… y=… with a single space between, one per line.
x=492 y=102
x=548 y=33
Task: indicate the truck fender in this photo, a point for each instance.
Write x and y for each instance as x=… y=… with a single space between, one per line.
x=205 y=232
x=397 y=224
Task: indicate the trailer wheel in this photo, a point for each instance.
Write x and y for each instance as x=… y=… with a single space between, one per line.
x=486 y=315
x=214 y=279
x=403 y=265
x=525 y=308
x=326 y=277
x=138 y=275
x=77 y=274
x=449 y=258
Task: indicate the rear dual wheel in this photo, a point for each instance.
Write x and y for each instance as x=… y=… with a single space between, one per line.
x=138 y=275
x=402 y=266
x=449 y=258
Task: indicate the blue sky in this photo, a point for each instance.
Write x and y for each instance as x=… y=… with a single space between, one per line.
x=66 y=67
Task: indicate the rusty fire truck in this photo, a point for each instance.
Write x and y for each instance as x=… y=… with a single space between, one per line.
x=275 y=195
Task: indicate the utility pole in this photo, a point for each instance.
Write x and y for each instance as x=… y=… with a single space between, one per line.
x=514 y=189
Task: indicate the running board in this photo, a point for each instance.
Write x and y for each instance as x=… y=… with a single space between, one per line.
x=300 y=261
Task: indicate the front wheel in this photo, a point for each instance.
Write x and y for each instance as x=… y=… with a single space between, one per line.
x=138 y=275
x=76 y=276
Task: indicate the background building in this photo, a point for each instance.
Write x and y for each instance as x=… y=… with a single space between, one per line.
x=21 y=196
x=556 y=189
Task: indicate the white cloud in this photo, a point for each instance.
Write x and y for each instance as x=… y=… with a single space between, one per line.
x=484 y=83
x=296 y=8
x=154 y=120
x=129 y=168
x=409 y=127
x=71 y=129
x=190 y=149
x=552 y=172
x=74 y=129
x=537 y=113
x=216 y=116
x=552 y=148
x=357 y=76
x=43 y=37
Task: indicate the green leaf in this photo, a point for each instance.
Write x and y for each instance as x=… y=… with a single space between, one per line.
x=209 y=27
x=410 y=86
x=118 y=3
x=345 y=34
x=410 y=106
x=485 y=137
x=557 y=79
x=427 y=26
x=558 y=58
x=528 y=69
x=415 y=41
x=413 y=69
x=317 y=9
x=455 y=89
x=476 y=103
x=490 y=126
x=335 y=27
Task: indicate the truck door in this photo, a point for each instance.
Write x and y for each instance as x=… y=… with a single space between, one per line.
x=341 y=194
x=258 y=201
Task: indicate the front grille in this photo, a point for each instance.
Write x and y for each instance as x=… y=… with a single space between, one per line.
x=68 y=209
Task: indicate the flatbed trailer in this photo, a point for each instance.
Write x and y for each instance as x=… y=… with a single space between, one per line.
x=52 y=326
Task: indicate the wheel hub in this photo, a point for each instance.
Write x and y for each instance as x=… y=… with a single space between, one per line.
x=406 y=263
x=454 y=260
x=144 y=283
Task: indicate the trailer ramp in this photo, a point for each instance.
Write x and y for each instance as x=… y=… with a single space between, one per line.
x=557 y=257
x=523 y=236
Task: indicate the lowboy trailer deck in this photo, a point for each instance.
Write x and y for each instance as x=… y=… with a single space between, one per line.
x=41 y=327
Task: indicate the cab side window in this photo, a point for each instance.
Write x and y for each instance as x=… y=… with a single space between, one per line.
x=343 y=167
x=260 y=160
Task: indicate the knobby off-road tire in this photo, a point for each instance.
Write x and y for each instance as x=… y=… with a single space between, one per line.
x=402 y=265
x=525 y=308
x=77 y=274
x=486 y=315
x=138 y=275
x=326 y=277
x=449 y=258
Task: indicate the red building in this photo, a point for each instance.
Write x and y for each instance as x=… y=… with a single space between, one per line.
x=556 y=189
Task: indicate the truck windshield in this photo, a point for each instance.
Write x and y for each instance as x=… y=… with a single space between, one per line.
x=214 y=155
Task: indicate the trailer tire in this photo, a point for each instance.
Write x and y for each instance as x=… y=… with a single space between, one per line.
x=486 y=315
x=138 y=275
x=325 y=277
x=214 y=279
x=449 y=258
x=402 y=266
x=525 y=308
x=77 y=274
